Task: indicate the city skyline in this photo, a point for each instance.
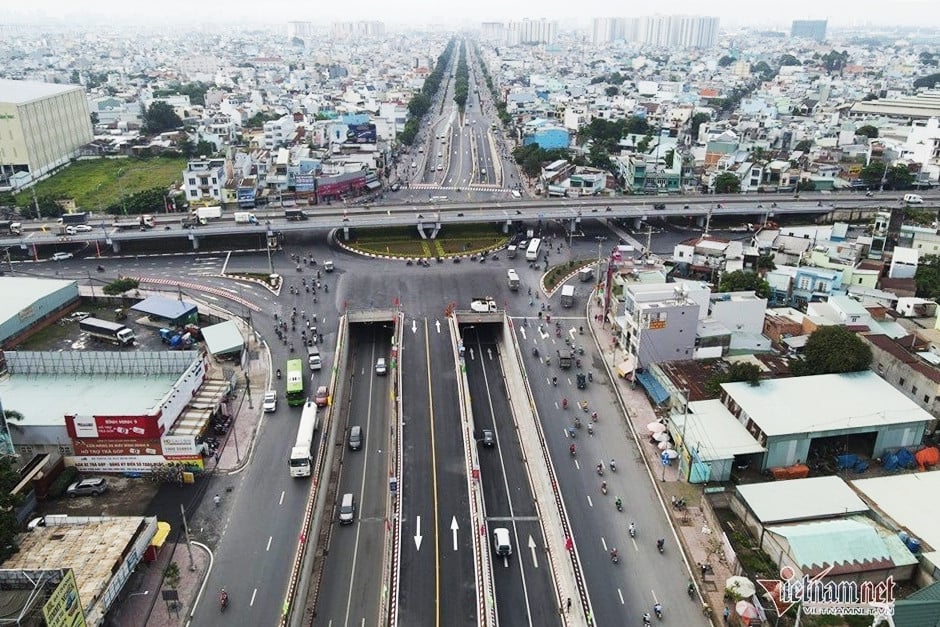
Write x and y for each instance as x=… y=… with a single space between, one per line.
x=839 y=13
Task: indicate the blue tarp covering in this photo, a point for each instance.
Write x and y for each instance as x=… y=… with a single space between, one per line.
x=653 y=388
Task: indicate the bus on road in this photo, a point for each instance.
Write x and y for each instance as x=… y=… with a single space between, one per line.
x=301 y=457
x=295 y=382
x=532 y=252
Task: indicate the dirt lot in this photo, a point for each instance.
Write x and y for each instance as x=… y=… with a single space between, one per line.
x=125 y=497
x=65 y=334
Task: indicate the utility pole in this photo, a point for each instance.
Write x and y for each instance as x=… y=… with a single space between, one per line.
x=189 y=546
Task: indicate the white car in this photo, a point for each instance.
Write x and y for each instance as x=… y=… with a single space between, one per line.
x=270 y=401
x=61 y=256
x=83 y=228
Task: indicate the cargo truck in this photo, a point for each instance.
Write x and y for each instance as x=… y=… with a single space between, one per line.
x=245 y=217
x=567 y=295
x=586 y=274
x=301 y=458
x=565 y=357
x=483 y=305
x=108 y=331
x=202 y=215
x=74 y=218
x=295 y=215
x=13 y=228
x=140 y=222
x=512 y=279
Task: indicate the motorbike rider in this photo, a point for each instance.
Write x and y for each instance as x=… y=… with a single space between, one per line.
x=278 y=373
x=613 y=465
x=661 y=544
x=632 y=529
x=646 y=618
x=658 y=610
x=572 y=448
x=223 y=597
x=554 y=380
x=600 y=469
x=614 y=556
x=619 y=503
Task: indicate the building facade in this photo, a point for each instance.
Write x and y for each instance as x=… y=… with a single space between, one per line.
x=658 y=323
x=810 y=29
x=204 y=179
x=42 y=126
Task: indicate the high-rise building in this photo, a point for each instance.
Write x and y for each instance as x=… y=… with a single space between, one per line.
x=42 y=126
x=300 y=30
x=539 y=31
x=684 y=31
x=810 y=29
x=492 y=31
x=349 y=30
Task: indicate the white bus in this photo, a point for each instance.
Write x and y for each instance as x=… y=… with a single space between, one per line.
x=532 y=252
x=301 y=458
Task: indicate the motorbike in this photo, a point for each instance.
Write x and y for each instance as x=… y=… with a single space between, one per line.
x=613 y=466
x=279 y=373
x=100 y=268
x=632 y=530
x=691 y=589
x=590 y=428
x=572 y=450
x=658 y=610
x=564 y=403
x=600 y=470
x=223 y=600
x=555 y=381
x=619 y=504
x=535 y=352
x=584 y=405
x=577 y=422
x=661 y=545
x=604 y=487
x=614 y=557
x=594 y=416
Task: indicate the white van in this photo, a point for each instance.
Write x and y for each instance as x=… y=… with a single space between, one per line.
x=501 y=543
x=347 y=509
x=913 y=199
x=313 y=358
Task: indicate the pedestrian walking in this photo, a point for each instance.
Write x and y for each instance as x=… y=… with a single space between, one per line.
x=726 y=613
x=568 y=607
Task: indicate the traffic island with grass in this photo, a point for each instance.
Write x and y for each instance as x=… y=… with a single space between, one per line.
x=404 y=242
x=557 y=274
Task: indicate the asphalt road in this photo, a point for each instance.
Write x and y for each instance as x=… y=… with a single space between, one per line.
x=523 y=582
x=351 y=589
x=253 y=533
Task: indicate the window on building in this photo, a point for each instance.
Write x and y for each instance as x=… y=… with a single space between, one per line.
x=914 y=390
x=192 y=181
x=926 y=399
x=804 y=283
x=901 y=381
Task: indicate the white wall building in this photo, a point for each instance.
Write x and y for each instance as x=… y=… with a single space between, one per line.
x=204 y=179
x=279 y=132
x=42 y=126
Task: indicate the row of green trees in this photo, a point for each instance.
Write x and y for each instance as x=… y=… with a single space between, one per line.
x=420 y=103
x=462 y=80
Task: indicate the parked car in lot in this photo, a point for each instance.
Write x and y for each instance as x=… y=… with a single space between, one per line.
x=270 y=401
x=61 y=256
x=87 y=487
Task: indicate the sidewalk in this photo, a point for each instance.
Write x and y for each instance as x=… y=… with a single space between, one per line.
x=695 y=527
x=142 y=598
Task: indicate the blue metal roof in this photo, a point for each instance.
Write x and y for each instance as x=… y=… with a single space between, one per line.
x=167 y=308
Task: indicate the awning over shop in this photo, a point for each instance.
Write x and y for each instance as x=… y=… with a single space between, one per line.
x=654 y=388
x=196 y=416
x=193 y=422
x=627 y=366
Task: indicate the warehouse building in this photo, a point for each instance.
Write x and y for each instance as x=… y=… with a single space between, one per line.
x=31 y=304
x=42 y=126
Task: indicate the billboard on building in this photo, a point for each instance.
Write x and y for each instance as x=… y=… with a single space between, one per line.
x=361 y=134
x=337 y=186
x=64 y=607
x=113 y=427
x=304 y=182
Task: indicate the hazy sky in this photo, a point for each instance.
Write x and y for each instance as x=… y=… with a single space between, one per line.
x=733 y=12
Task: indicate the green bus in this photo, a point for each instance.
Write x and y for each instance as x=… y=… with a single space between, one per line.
x=295 y=382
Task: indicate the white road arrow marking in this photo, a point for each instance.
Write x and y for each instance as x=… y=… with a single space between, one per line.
x=522 y=332
x=489 y=353
x=454 y=527
x=471 y=354
x=543 y=334
x=535 y=558
x=418 y=536
x=437 y=325
x=414 y=326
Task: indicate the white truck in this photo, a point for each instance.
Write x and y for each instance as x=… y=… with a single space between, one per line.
x=567 y=295
x=113 y=332
x=512 y=279
x=203 y=214
x=245 y=217
x=301 y=457
x=140 y=222
x=483 y=305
